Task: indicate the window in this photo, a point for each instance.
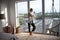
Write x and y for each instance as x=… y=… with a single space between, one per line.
x=22 y=15
x=51 y=13
x=37 y=8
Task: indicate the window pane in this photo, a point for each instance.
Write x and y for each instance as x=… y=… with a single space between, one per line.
x=37 y=8
x=52 y=15
x=22 y=15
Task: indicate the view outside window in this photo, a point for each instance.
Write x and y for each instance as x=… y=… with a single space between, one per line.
x=51 y=15
x=22 y=15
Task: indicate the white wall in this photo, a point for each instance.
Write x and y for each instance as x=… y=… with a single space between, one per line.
x=59 y=29
x=2 y=11
x=10 y=5
x=0 y=20
x=11 y=13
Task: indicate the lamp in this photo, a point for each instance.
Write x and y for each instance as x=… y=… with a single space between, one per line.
x=2 y=16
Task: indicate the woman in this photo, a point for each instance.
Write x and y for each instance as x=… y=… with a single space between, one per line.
x=30 y=21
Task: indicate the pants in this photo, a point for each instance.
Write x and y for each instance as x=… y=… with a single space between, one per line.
x=33 y=25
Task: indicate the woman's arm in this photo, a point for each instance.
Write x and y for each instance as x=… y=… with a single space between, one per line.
x=33 y=15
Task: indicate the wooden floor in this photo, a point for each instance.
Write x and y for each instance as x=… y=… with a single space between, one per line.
x=26 y=36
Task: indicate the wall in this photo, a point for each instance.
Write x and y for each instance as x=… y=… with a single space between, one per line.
x=10 y=5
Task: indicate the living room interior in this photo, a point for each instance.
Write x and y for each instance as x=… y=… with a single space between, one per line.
x=48 y=23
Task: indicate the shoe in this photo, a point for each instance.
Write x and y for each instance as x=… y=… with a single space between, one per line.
x=30 y=33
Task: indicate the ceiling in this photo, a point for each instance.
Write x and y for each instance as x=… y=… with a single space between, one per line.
x=23 y=0
x=18 y=0
x=15 y=0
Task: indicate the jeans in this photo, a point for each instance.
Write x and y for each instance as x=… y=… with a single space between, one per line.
x=33 y=25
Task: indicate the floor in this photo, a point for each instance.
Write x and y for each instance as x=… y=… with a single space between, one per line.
x=26 y=36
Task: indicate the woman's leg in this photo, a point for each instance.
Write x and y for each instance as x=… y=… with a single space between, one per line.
x=29 y=27
x=34 y=27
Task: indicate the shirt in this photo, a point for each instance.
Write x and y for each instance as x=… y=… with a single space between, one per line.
x=31 y=17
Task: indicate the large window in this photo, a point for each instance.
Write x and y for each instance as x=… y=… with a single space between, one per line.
x=51 y=14
x=37 y=8
x=22 y=15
